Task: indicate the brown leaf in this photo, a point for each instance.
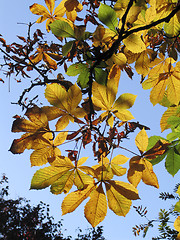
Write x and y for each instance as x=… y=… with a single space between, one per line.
x=159 y=148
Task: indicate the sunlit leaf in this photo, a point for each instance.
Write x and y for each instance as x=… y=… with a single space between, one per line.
x=107 y=15
x=96 y=208
x=62 y=29
x=74 y=199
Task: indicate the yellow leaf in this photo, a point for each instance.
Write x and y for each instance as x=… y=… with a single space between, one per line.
x=164 y=78
x=115 y=162
x=60 y=10
x=142 y=63
x=62 y=122
x=60 y=138
x=141 y=140
x=177 y=224
x=113 y=83
x=119 y=59
x=57 y=96
x=149 y=177
x=81 y=179
x=46 y=176
x=135 y=171
x=172 y=27
x=41 y=156
x=96 y=208
x=39 y=10
x=52 y=112
x=171 y=111
x=125 y=189
x=64 y=183
x=140 y=168
x=74 y=199
x=123 y=115
x=134 y=43
x=103 y=37
x=36 y=127
x=81 y=161
x=63 y=162
x=49 y=61
x=46 y=149
x=125 y=101
x=50 y=5
x=119 y=204
x=119 y=159
x=74 y=97
x=67 y=101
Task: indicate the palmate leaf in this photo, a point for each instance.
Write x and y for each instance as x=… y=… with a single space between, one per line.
x=140 y=168
x=104 y=97
x=61 y=175
x=164 y=79
x=107 y=15
x=70 y=7
x=46 y=149
x=35 y=128
x=66 y=101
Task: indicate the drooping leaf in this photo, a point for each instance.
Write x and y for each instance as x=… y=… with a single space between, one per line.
x=100 y=76
x=74 y=199
x=140 y=168
x=83 y=78
x=119 y=204
x=96 y=208
x=172 y=162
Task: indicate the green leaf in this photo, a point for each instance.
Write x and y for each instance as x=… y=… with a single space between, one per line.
x=173 y=135
x=62 y=29
x=173 y=121
x=177 y=207
x=67 y=48
x=46 y=176
x=158 y=159
x=83 y=78
x=100 y=76
x=76 y=69
x=86 y=35
x=152 y=141
x=108 y=16
x=172 y=161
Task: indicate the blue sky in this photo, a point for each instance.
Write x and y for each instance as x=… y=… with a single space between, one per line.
x=17 y=167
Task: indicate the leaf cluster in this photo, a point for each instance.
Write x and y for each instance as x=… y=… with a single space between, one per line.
x=140 y=36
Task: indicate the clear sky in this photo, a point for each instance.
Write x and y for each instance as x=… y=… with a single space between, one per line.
x=17 y=167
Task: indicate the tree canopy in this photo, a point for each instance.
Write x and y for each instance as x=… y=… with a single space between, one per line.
x=79 y=61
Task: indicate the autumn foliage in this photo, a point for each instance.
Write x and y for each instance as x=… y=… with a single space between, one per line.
x=95 y=42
